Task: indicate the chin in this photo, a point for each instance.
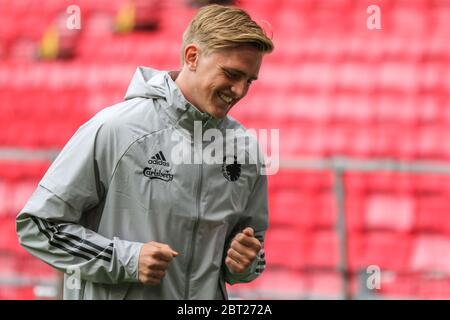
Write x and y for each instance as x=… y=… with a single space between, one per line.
x=218 y=113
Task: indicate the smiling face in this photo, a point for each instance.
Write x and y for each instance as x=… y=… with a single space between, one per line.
x=219 y=79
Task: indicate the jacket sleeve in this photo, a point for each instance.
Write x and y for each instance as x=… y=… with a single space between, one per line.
x=256 y=216
x=57 y=224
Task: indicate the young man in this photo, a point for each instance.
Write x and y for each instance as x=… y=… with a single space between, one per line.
x=117 y=212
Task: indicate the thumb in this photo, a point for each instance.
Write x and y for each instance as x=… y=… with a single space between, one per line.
x=172 y=252
x=248 y=232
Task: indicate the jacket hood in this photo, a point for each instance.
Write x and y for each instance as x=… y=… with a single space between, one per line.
x=148 y=83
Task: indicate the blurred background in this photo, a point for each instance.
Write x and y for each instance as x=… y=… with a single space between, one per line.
x=360 y=208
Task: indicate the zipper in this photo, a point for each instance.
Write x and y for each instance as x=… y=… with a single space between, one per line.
x=194 y=234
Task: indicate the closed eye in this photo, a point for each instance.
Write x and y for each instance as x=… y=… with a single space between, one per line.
x=232 y=75
x=236 y=76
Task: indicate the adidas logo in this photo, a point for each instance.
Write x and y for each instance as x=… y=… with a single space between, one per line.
x=159 y=159
x=153 y=172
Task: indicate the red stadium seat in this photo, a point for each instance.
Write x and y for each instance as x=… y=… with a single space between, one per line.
x=387 y=250
x=432 y=213
x=17 y=293
x=9 y=242
x=323 y=250
x=414 y=286
x=274 y=284
x=4 y=197
x=291 y=207
x=34 y=268
x=286 y=247
x=20 y=193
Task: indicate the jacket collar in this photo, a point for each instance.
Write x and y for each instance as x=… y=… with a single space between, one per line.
x=181 y=111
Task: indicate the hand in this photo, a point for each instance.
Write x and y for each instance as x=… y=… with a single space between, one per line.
x=154 y=259
x=243 y=251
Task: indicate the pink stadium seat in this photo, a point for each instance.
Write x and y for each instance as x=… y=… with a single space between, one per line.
x=429 y=254
x=433 y=288
x=278 y=283
x=432 y=213
x=31 y=267
x=323 y=250
x=286 y=247
x=324 y=210
x=8 y=265
x=394 y=212
x=324 y=285
x=340 y=135
x=387 y=250
x=4 y=197
x=354 y=210
x=18 y=170
x=9 y=242
x=414 y=285
x=291 y=207
x=291 y=284
x=317 y=180
x=430 y=142
x=389 y=182
x=353 y=108
x=285 y=178
x=20 y=192
x=179 y=9
x=396 y=108
x=356 y=181
x=354 y=77
x=17 y=293
x=432 y=183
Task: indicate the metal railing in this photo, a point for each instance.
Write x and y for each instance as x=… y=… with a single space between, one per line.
x=338 y=165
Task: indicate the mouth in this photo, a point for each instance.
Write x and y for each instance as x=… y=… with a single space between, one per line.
x=226 y=99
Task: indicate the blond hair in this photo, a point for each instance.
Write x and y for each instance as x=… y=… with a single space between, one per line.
x=216 y=27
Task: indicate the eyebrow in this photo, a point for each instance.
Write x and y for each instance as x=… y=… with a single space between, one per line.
x=239 y=72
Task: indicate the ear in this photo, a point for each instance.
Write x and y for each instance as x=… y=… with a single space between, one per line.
x=191 y=55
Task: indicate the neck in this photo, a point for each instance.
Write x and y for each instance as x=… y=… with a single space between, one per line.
x=182 y=80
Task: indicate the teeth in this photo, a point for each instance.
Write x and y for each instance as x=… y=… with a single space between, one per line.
x=225 y=98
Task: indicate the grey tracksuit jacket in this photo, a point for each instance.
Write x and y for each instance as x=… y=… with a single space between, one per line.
x=114 y=187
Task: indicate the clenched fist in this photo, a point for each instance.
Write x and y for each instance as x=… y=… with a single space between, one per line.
x=154 y=259
x=243 y=251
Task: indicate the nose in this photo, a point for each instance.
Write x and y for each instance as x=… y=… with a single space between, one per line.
x=239 y=89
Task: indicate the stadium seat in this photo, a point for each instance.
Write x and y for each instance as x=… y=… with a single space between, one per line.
x=286 y=247
x=17 y=293
x=387 y=250
x=274 y=284
x=431 y=213
x=323 y=250
x=324 y=285
x=4 y=197
x=291 y=207
x=393 y=212
x=414 y=286
x=9 y=243
x=429 y=254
